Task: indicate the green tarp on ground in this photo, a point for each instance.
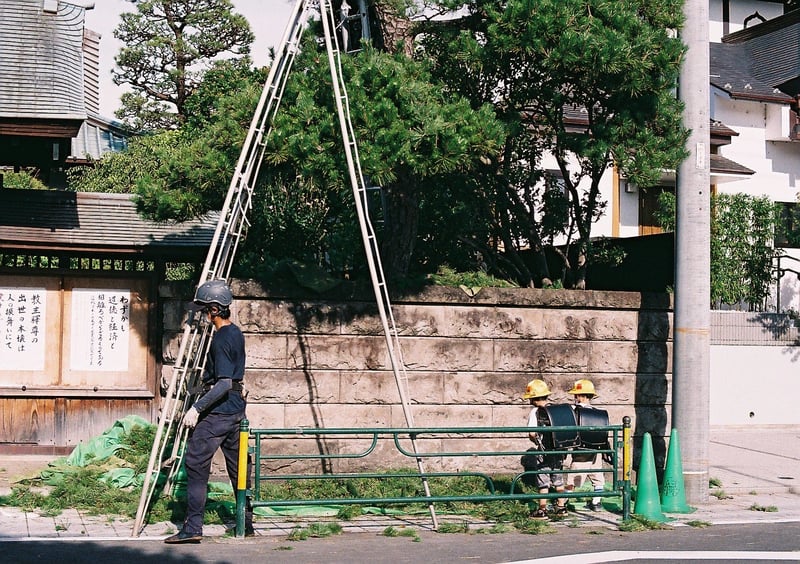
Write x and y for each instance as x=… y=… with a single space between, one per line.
x=100 y=451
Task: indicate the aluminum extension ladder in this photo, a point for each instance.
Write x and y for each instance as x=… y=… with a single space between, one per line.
x=167 y=451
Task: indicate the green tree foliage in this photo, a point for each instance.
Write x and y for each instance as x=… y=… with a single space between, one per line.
x=588 y=83
x=458 y=185
x=178 y=175
x=197 y=173
x=743 y=229
x=413 y=140
x=119 y=172
x=24 y=179
x=168 y=44
x=742 y=252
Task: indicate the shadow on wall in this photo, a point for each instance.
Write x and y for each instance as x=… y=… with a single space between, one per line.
x=304 y=315
x=652 y=383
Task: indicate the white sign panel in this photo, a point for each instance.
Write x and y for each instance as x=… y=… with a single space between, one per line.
x=100 y=329
x=22 y=314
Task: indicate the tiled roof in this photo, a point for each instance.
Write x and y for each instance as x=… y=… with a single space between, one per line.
x=731 y=71
x=58 y=220
x=576 y=116
x=756 y=62
x=721 y=130
x=721 y=165
x=41 y=75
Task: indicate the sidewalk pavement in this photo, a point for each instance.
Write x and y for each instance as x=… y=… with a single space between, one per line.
x=758 y=469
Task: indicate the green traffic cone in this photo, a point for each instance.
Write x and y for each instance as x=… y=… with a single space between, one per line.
x=179 y=482
x=673 y=493
x=648 y=504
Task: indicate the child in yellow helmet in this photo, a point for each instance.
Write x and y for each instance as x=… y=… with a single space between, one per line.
x=584 y=392
x=538 y=393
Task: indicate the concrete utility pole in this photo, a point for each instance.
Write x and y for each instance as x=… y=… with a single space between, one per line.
x=691 y=339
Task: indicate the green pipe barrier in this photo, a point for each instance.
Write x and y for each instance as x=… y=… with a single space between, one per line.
x=620 y=466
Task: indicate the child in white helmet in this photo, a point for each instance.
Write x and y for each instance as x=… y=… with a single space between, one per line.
x=538 y=393
x=584 y=392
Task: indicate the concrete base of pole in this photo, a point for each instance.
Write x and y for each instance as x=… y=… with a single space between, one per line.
x=695 y=485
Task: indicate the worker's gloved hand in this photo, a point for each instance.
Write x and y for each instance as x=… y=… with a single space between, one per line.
x=191 y=417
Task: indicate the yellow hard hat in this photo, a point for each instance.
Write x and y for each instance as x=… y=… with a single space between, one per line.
x=536 y=389
x=584 y=388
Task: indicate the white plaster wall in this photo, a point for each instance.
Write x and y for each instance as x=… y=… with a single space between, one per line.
x=789 y=284
x=604 y=224
x=739 y=10
x=776 y=163
x=754 y=385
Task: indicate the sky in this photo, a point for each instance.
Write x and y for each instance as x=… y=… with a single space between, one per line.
x=267 y=18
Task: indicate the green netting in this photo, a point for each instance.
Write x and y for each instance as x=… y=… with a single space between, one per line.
x=100 y=452
x=105 y=445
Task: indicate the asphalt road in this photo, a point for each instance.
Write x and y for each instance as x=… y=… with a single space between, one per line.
x=765 y=542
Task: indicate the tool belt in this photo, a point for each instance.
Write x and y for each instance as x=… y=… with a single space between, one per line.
x=237 y=386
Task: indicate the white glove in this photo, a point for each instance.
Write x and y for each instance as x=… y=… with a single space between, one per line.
x=191 y=417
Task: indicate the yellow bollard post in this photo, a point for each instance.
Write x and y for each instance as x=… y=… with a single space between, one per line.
x=241 y=479
x=627 y=464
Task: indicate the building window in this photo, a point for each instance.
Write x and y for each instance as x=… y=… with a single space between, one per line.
x=787 y=232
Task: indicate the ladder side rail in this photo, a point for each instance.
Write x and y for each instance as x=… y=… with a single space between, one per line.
x=165 y=423
x=249 y=165
x=148 y=485
x=240 y=193
x=358 y=187
x=237 y=211
x=254 y=131
x=222 y=261
x=244 y=202
x=394 y=346
x=168 y=424
x=370 y=241
x=188 y=385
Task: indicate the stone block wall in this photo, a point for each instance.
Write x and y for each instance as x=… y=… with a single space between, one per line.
x=322 y=361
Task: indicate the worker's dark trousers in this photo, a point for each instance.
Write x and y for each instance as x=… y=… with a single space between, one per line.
x=213 y=431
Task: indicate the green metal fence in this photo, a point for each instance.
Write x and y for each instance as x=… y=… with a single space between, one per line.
x=275 y=445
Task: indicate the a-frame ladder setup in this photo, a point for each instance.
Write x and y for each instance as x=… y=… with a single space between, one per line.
x=166 y=454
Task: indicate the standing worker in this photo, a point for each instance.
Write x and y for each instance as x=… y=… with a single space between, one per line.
x=583 y=391
x=215 y=416
x=549 y=464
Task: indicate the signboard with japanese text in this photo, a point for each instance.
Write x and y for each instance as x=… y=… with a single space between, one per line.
x=22 y=328
x=75 y=355
x=74 y=336
x=105 y=334
x=100 y=328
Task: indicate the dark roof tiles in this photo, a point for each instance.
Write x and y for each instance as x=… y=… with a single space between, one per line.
x=722 y=165
x=760 y=62
x=41 y=75
x=45 y=219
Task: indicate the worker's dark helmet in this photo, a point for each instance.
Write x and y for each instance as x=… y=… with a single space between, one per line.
x=213 y=292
